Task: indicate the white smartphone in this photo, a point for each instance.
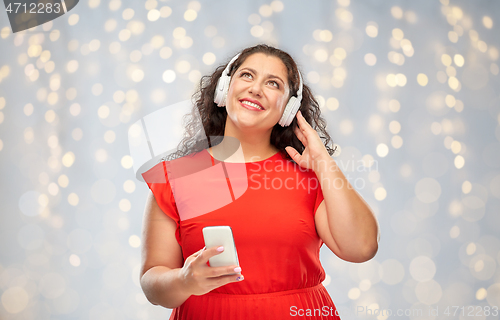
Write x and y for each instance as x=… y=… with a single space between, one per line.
x=221 y=236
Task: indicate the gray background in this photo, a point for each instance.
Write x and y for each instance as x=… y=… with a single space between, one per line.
x=70 y=230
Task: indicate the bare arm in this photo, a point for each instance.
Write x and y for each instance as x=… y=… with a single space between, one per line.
x=161 y=258
x=344 y=221
x=166 y=279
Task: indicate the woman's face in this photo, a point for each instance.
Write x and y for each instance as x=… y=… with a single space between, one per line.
x=258 y=92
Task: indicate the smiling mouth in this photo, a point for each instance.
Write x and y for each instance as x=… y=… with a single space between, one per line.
x=251 y=105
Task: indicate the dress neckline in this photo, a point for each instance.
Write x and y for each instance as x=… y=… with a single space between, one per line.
x=271 y=157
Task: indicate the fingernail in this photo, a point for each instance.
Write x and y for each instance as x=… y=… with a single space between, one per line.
x=237 y=269
x=220 y=249
x=240 y=278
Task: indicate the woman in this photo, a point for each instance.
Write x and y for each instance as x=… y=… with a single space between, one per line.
x=290 y=206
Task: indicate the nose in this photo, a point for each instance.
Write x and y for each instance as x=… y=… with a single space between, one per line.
x=255 y=88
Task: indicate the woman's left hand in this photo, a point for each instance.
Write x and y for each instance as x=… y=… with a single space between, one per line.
x=314 y=147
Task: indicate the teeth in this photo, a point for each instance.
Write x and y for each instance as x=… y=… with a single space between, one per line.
x=248 y=103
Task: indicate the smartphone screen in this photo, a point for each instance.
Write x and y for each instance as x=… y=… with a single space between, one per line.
x=216 y=236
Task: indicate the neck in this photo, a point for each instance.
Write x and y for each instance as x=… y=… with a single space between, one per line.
x=253 y=145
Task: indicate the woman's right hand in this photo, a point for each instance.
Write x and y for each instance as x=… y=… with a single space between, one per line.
x=200 y=278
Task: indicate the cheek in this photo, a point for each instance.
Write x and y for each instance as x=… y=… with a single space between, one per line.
x=230 y=90
x=281 y=102
x=230 y=93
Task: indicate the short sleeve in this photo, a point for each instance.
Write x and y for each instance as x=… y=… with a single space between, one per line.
x=157 y=181
x=319 y=198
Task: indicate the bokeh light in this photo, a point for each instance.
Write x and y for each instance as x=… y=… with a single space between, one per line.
x=409 y=94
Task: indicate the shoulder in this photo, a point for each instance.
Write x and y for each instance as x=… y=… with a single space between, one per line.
x=156 y=174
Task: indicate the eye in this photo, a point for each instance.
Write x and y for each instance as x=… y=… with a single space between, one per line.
x=274 y=83
x=246 y=75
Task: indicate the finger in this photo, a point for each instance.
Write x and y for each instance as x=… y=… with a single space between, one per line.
x=294 y=154
x=197 y=253
x=300 y=136
x=304 y=125
x=309 y=133
x=223 y=280
x=216 y=272
x=208 y=253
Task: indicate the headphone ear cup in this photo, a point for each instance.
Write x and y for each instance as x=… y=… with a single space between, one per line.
x=221 y=90
x=284 y=117
x=296 y=107
x=290 y=110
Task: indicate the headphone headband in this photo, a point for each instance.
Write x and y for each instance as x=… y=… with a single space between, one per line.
x=228 y=67
x=299 y=92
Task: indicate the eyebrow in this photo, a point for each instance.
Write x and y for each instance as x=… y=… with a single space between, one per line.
x=269 y=76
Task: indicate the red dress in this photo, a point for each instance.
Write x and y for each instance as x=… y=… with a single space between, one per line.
x=270 y=207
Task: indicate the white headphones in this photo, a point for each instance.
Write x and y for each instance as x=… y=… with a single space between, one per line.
x=220 y=95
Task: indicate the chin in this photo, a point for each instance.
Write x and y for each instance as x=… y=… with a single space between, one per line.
x=245 y=125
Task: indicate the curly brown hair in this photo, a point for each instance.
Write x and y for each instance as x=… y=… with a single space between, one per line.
x=206 y=113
